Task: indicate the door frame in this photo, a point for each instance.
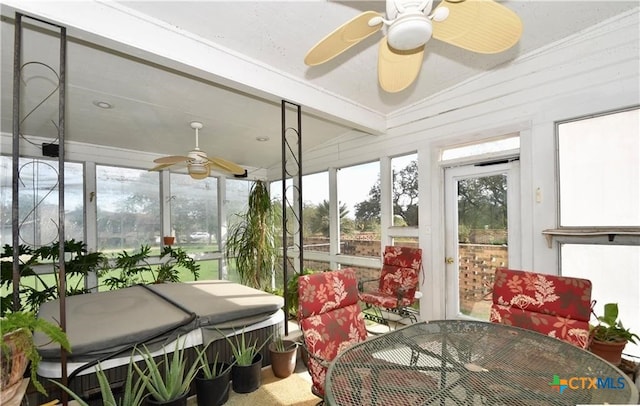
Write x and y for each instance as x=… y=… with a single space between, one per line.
x=451 y=174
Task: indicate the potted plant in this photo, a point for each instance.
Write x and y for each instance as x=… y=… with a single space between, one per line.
x=133 y=393
x=283 y=356
x=167 y=378
x=253 y=238
x=609 y=337
x=19 y=350
x=212 y=380
x=78 y=264
x=134 y=266
x=247 y=363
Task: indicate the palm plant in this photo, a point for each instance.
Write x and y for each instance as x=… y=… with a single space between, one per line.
x=167 y=379
x=253 y=240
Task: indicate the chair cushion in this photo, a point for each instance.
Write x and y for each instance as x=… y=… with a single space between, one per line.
x=400 y=274
x=330 y=318
x=553 y=305
x=324 y=291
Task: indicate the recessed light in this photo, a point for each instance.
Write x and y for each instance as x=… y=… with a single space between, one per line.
x=262 y=139
x=103 y=104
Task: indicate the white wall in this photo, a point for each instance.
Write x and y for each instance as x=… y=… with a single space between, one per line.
x=594 y=71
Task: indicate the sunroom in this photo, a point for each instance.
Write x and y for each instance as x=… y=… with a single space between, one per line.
x=527 y=159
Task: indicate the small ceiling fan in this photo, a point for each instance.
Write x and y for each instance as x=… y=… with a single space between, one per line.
x=482 y=26
x=198 y=163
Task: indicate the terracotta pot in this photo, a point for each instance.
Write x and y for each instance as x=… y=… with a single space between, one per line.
x=13 y=368
x=168 y=240
x=283 y=363
x=608 y=350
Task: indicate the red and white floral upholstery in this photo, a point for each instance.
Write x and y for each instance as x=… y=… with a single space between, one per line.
x=557 y=306
x=398 y=280
x=330 y=319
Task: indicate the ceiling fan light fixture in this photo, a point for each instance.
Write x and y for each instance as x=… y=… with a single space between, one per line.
x=409 y=32
x=198 y=171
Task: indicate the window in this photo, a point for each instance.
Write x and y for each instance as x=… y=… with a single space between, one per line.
x=405 y=190
x=359 y=204
x=194 y=213
x=38 y=195
x=599 y=190
x=598 y=160
x=128 y=205
x=315 y=211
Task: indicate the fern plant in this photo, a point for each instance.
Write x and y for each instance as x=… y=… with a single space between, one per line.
x=19 y=328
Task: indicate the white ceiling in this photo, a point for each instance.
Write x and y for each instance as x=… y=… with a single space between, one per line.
x=229 y=67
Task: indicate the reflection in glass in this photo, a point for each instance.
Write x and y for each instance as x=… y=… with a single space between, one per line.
x=194 y=213
x=38 y=196
x=128 y=205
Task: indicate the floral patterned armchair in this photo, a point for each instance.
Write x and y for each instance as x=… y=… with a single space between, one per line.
x=330 y=319
x=557 y=306
x=396 y=290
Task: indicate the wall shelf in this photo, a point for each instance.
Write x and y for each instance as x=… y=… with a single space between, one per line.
x=590 y=232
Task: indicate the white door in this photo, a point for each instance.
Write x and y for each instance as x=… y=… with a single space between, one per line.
x=482 y=233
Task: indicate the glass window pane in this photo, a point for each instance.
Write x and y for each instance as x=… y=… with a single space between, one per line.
x=194 y=213
x=38 y=195
x=614 y=271
x=405 y=190
x=504 y=144
x=128 y=204
x=599 y=171
x=359 y=202
x=237 y=197
x=315 y=211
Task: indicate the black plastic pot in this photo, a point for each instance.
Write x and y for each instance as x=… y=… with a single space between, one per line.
x=181 y=401
x=247 y=378
x=214 y=391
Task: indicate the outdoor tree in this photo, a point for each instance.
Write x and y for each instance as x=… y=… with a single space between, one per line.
x=405 y=200
x=320 y=219
x=482 y=202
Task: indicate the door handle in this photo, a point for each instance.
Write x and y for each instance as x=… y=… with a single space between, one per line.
x=448 y=260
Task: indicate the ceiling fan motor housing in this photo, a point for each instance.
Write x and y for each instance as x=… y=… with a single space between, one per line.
x=197 y=157
x=410 y=31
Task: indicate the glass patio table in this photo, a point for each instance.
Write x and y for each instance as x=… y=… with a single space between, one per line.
x=457 y=362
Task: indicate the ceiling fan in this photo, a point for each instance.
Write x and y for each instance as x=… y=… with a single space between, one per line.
x=482 y=26
x=198 y=163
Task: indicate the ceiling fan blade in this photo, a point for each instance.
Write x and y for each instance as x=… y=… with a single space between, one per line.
x=482 y=26
x=398 y=69
x=227 y=165
x=172 y=159
x=343 y=38
x=160 y=167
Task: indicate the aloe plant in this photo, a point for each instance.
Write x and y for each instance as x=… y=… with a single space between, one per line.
x=132 y=395
x=213 y=369
x=171 y=380
x=244 y=350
